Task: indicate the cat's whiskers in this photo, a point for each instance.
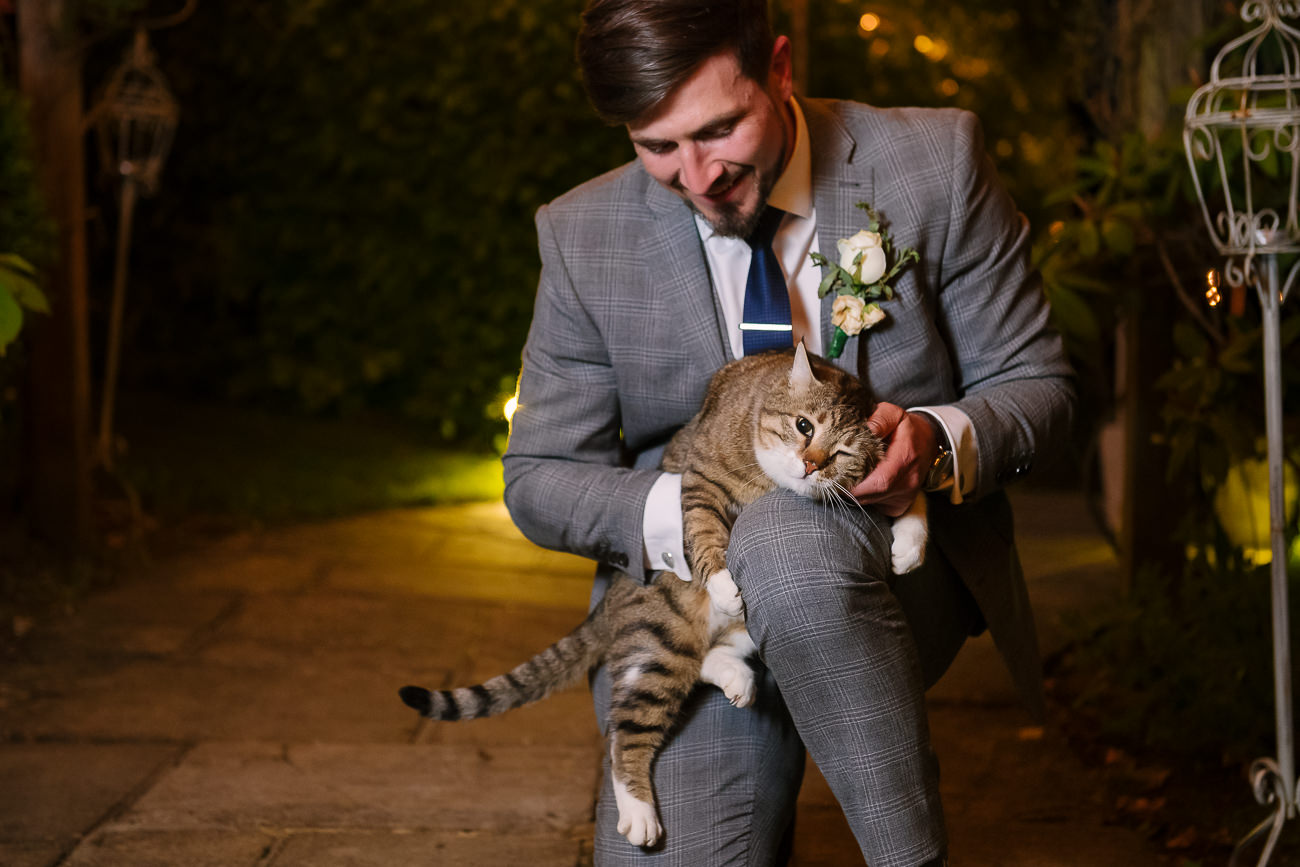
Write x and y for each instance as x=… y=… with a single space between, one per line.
x=848 y=495
x=749 y=481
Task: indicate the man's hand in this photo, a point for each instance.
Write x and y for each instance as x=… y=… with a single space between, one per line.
x=911 y=447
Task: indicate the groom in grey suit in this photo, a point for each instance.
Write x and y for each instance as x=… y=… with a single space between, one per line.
x=641 y=300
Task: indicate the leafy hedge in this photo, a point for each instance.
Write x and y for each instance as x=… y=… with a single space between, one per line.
x=26 y=238
x=346 y=220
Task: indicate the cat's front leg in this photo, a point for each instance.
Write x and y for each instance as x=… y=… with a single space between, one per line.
x=911 y=532
x=726 y=666
x=706 y=524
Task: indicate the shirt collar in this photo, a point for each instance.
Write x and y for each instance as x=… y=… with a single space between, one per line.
x=793 y=190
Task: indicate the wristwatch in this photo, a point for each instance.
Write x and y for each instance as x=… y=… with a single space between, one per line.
x=940 y=475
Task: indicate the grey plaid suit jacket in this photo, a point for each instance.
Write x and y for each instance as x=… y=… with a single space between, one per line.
x=627 y=332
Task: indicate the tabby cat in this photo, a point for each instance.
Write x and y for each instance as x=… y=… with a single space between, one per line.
x=784 y=418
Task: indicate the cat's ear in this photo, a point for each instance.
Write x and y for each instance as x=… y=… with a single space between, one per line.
x=801 y=374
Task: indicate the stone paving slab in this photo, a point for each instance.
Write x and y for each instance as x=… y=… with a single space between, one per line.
x=322 y=697
x=147 y=618
x=318 y=667
x=253 y=786
x=126 y=848
x=31 y=853
x=52 y=794
x=1015 y=796
x=469 y=849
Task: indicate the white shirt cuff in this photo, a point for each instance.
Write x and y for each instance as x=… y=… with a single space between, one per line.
x=965 y=451
x=662 y=527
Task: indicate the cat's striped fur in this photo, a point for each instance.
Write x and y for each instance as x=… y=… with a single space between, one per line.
x=773 y=419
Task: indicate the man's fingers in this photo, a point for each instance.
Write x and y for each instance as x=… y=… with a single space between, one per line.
x=893 y=484
x=886 y=417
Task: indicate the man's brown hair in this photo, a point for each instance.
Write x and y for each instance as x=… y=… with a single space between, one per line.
x=634 y=53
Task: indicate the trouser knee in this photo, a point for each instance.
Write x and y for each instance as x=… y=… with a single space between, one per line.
x=790 y=555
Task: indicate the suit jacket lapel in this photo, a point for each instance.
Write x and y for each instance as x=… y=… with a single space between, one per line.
x=836 y=193
x=679 y=275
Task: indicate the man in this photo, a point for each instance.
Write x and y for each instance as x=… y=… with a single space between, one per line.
x=641 y=300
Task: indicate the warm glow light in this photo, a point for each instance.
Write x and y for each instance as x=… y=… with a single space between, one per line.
x=1004 y=148
x=971 y=67
x=948 y=87
x=938 y=50
x=923 y=44
x=509 y=409
x=879 y=47
x=869 y=21
x=1242 y=505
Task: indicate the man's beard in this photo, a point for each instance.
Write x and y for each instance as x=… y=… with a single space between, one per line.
x=729 y=220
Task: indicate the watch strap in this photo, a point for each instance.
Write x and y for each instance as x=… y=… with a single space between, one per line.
x=940 y=474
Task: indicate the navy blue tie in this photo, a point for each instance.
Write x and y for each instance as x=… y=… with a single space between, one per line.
x=766 y=320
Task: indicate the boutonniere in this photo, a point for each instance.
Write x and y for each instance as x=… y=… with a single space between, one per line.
x=861 y=279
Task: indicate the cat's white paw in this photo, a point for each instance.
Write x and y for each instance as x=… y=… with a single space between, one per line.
x=637 y=820
x=724 y=594
x=906 y=556
x=738 y=685
x=911 y=531
x=732 y=675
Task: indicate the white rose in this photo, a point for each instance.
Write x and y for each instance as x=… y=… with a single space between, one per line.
x=872 y=314
x=847 y=314
x=871 y=266
x=851 y=314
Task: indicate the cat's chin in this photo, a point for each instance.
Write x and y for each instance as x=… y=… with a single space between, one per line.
x=784 y=470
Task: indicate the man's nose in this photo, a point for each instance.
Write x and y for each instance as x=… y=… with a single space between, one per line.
x=698 y=172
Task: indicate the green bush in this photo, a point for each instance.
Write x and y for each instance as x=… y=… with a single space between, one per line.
x=26 y=242
x=346 y=219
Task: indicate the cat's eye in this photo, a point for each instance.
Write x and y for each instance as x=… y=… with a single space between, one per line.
x=804 y=426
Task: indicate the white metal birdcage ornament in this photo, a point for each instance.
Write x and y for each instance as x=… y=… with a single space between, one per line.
x=1242 y=137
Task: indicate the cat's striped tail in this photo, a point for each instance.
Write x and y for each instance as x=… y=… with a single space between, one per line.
x=561 y=664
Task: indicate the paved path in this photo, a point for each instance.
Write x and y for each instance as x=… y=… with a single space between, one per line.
x=236 y=706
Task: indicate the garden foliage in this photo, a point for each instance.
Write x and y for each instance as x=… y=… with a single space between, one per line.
x=347 y=216
x=1183 y=663
x=26 y=237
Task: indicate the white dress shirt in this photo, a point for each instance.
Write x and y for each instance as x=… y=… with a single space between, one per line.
x=728 y=261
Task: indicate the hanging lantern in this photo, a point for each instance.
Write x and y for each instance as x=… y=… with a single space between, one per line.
x=135 y=118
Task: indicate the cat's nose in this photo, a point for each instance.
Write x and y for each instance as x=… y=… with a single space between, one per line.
x=809 y=468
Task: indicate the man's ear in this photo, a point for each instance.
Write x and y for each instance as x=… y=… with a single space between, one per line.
x=780 y=72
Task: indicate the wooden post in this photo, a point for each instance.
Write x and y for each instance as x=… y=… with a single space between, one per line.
x=1155 y=44
x=57 y=465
